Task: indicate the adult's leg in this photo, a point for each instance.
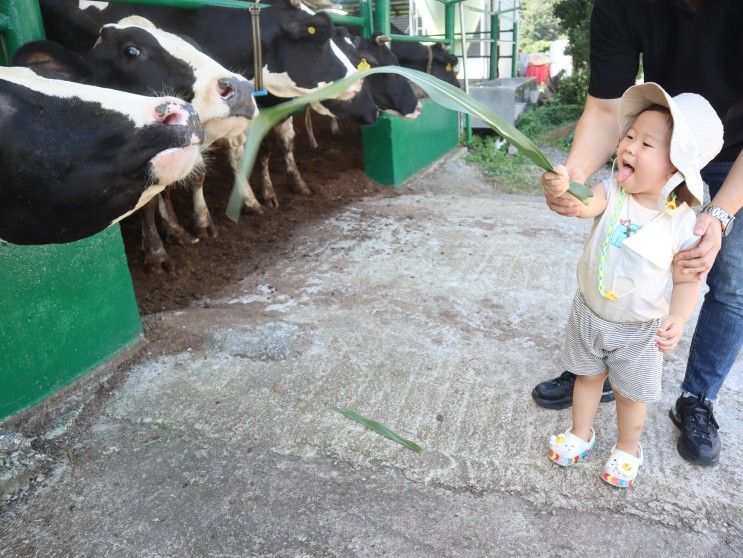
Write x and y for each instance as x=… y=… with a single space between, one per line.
x=716 y=342
x=718 y=336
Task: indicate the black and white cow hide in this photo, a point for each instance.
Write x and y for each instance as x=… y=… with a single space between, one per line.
x=75 y=158
x=135 y=56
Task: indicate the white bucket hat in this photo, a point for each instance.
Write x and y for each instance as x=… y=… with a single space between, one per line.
x=696 y=138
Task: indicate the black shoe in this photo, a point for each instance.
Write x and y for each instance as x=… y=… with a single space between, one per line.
x=558 y=392
x=699 y=442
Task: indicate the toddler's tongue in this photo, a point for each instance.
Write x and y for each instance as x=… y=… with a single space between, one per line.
x=624 y=173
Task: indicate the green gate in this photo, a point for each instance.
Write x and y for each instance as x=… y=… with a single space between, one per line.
x=64 y=308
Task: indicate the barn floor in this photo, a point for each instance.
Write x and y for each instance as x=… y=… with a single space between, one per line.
x=433 y=309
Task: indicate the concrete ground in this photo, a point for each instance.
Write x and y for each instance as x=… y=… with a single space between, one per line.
x=434 y=312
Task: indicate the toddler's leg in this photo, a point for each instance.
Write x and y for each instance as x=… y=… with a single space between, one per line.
x=586 y=397
x=630 y=422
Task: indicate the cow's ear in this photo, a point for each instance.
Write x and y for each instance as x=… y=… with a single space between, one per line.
x=317 y=28
x=51 y=60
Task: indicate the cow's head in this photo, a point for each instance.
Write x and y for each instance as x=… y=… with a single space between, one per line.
x=435 y=60
x=75 y=158
x=135 y=56
x=301 y=56
x=392 y=93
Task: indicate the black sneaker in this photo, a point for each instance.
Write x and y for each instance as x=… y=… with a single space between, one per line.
x=557 y=393
x=699 y=442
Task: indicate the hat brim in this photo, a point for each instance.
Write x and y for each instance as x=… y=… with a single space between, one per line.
x=636 y=99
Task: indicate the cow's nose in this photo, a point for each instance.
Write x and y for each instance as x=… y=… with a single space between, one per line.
x=179 y=113
x=238 y=94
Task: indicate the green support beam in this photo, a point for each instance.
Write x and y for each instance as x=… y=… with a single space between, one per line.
x=20 y=23
x=494 y=35
x=382 y=17
x=64 y=308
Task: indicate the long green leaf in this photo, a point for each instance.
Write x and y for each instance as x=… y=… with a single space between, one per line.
x=379 y=429
x=440 y=92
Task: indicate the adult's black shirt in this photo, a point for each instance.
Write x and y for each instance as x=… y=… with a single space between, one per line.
x=682 y=50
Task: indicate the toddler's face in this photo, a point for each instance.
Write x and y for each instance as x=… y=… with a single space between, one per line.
x=643 y=155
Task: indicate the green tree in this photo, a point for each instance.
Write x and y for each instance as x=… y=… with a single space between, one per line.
x=575 y=17
x=539 y=25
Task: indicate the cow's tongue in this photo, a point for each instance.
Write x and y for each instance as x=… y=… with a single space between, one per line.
x=624 y=173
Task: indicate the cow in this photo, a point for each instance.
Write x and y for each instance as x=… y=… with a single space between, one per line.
x=298 y=55
x=432 y=59
x=135 y=56
x=75 y=158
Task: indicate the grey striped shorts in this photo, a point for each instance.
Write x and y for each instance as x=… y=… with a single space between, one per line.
x=626 y=350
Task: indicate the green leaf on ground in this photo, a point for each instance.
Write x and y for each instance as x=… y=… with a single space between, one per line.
x=379 y=429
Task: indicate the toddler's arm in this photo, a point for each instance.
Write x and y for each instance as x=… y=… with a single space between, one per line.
x=556 y=186
x=684 y=298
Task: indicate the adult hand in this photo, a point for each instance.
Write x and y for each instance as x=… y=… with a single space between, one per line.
x=699 y=259
x=555 y=184
x=669 y=333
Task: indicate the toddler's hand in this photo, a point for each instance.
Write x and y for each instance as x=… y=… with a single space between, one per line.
x=556 y=183
x=669 y=333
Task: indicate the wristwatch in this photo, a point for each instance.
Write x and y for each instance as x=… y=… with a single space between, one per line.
x=726 y=220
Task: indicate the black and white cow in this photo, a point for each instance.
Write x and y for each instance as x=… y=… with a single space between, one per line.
x=75 y=159
x=137 y=57
x=298 y=55
x=433 y=59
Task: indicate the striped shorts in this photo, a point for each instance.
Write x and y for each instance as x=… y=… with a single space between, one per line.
x=626 y=350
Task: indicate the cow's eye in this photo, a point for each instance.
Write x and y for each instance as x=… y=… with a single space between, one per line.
x=131 y=52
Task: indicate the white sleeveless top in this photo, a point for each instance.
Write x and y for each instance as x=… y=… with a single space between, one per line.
x=638 y=264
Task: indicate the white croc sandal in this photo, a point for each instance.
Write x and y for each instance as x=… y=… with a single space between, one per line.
x=621 y=467
x=567 y=449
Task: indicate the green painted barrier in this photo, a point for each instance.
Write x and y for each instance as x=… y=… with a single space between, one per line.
x=64 y=308
x=395 y=148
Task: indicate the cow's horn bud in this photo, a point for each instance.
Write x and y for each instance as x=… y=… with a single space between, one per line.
x=382 y=39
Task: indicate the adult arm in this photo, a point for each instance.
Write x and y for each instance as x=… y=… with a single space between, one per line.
x=699 y=259
x=596 y=137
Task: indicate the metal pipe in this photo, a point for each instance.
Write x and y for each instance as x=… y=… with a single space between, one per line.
x=382 y=17
x=515 y=47
x=357 y=21
x=449 y=18
x=23 y=25
x=494 y=33
x=467 y=124
x=255 y=14
x=492 y=12
x=192 y=4
x=367 y=15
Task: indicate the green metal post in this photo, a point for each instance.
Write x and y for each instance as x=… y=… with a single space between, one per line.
x=20 y=22
x=494 y=49
x=449 y=19
x=515 y=47
x=382 y=17
x=366 y=14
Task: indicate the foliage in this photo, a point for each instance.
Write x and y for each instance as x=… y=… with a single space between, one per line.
x=511 y=172
x=547 y=124
x=542 y=119
x=539 y=25
x=575 y=17
x=572 y=90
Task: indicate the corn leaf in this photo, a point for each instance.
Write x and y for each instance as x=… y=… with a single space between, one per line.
x=379 y=429
x=440 y=92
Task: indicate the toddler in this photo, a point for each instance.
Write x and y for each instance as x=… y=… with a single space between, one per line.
x=621 y=320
